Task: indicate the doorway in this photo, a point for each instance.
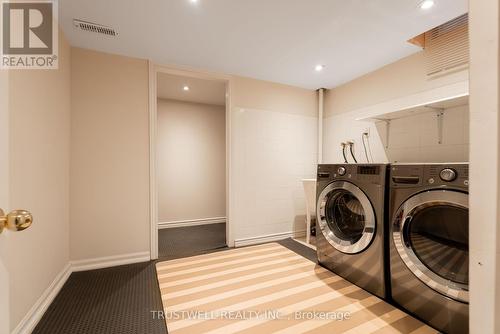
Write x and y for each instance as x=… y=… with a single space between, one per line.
x=190 y=160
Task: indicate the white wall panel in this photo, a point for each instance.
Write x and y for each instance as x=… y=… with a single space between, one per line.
x=411 y=139
x=271 y=152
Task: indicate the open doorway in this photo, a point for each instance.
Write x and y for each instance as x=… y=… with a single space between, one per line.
x=190 y=149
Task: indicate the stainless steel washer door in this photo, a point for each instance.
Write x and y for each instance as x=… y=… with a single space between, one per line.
x=431 y=235
x=346 y=217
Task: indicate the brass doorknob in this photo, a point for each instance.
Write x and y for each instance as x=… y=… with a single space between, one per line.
x=16 y=220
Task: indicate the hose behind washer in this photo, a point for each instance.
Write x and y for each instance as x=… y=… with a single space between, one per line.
x=351 y=144
x=343 y=152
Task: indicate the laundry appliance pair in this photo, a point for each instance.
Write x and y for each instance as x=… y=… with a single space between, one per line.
x=399 y=231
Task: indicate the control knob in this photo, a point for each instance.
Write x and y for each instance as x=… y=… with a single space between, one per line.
x=341 y=171
x=448 y=175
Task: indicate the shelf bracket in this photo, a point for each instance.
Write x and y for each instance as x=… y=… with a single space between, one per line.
x=387 y=129
x=440 y=119
x=440 y=116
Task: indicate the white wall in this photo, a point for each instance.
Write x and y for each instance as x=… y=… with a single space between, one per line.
x=411 y=139
x=274 y=146
x=344 y=127
x=109 y=155
x=484 y=245
x=191 y=170
x=39 y=103
x=415 y=138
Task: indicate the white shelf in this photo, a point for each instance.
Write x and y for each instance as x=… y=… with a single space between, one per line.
x=453 y=94
x=435 y=106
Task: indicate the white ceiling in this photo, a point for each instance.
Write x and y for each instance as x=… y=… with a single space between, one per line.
x=200 y=91
x=275 y=40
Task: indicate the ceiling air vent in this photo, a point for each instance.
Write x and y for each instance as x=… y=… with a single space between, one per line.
x=446 y=47
x=94 y=27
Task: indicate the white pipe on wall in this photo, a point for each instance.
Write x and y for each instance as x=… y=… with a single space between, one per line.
x=320 y=124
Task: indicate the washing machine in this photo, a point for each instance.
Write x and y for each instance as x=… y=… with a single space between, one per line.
x=350 y=215
x=429 y=247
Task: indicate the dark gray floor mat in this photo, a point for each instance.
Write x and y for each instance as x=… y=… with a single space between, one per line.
x=112 y=300
x=118 y=300
x=186 y=241
x=300 y=249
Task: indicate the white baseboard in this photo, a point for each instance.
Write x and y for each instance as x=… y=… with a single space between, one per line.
x=31 y=319
x=192 y=222
x=109 y=261
x=268 y=238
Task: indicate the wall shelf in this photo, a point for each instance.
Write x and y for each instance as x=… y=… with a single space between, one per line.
x=435 y=106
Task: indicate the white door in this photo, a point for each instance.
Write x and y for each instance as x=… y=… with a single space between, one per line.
x=4 y=201
x=17 y=220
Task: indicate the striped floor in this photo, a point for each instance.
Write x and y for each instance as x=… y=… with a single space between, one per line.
x=270 y=289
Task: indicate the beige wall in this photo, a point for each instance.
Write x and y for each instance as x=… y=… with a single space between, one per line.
x=191 y=144
x=109 y=162
x=39 y=179
x=109 y=155
x=403 y=83
x=264 y=95
x=484 y=245
x=399 y=79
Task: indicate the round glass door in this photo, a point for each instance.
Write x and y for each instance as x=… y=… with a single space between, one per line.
x=431 y=234
x=346 y=217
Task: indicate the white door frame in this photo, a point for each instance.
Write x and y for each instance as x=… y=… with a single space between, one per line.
x=154 y=70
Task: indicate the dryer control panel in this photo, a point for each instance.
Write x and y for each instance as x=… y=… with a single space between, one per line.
x=447 y=174
x=406 y=175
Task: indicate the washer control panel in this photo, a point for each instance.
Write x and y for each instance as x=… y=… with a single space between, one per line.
x=365 y=173
x=448 y=174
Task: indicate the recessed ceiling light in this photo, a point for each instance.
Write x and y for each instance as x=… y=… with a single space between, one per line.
x=426 y=4
x=193 y=1
x=185 y=88
x=319 y=68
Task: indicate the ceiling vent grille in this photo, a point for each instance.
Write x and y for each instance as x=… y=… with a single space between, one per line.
x=94 y=27
x=446 y=47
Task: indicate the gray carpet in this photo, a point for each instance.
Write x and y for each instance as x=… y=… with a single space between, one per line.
x=112 y=300
x=179 y=242
x=300 y=249
x=118 y=300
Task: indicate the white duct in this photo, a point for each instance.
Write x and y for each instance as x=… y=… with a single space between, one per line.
x=320 y=124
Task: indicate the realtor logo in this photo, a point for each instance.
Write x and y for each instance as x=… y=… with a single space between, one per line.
x=29 y=34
